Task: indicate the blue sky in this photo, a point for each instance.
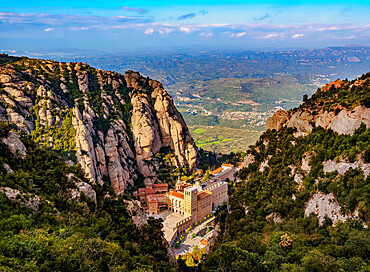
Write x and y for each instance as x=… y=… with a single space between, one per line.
x=124 y=26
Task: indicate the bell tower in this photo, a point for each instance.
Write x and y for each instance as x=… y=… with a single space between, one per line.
x=190 y=199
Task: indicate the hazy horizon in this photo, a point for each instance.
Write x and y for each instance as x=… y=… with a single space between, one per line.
x=116 y=26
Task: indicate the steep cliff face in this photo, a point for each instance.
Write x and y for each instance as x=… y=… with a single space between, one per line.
x=109 y=123
x=156 y=123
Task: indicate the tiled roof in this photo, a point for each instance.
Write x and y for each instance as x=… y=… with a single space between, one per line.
x=160 y=185
x=151 y=198
x=204 y=242
x=216 y=171
x=177 y=194
x=147 y=191
x=227 y=165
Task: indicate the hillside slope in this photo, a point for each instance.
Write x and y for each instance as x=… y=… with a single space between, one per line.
x=111 y=124
x=302 y=203
x=52 y=219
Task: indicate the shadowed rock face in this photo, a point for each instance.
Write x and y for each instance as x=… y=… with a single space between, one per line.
x=108 y=122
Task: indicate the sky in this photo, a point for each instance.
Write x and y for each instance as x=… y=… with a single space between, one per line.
x=130 y=26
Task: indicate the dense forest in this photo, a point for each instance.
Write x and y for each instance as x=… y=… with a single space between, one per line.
x=62 y=233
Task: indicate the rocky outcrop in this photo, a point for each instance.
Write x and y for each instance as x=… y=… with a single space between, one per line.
x=15 y=145
x=113 y=123
x=342 y=120
x=263 y=165
x=8 y=169
x=212 y=240
x=336 y=83
x=305 y=166
x=342 y=167
x=279 y=118
x=326 y=205
x=27 y=200
x=248 y=159
x=346 y=122
x=275 y=218
x=137 y=213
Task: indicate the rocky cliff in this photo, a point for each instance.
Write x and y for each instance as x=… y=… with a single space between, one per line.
x=340 y=116
x=111 y=124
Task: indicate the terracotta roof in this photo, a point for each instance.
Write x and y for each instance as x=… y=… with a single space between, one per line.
x=161 y=198
x=203 y=194
x=227 y=165
x=151 y=198
x=178 y=194
x=216 y=171
x=204 y=242
x=142 y=193
x=147 y=191
x=160 y=185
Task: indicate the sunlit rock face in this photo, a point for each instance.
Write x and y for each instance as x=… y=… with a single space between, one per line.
x=111 y=124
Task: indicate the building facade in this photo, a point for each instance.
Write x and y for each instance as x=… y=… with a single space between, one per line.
x=198 y=200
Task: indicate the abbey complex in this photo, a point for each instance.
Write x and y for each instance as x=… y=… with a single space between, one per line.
x=188 y=203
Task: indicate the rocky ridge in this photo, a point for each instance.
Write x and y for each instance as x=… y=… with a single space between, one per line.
x=111 y=124
x=341 y=119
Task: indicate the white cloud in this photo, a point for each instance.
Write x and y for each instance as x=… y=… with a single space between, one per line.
x=344 y=38
x=185 y=29
x=149 y=31
x=205 y=35
x=48 y=29
x=238 y=35
x=9 y=51
x=79 y=28
x=328 y=28
x=296 y=36
x=271 y=36
x=165 y=30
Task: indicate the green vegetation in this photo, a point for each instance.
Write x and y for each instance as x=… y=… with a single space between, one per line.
x=198 y=130
x=190 y=260
x=254 y=243
x=60 y=136
x=250 y=240
x=222 y=139
x=4 y=58
x=346 y=96
x=66 y=234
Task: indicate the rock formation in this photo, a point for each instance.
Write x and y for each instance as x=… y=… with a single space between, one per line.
x=326 y=205
x=25 y=199
x=345 y=121
x=111 y=124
